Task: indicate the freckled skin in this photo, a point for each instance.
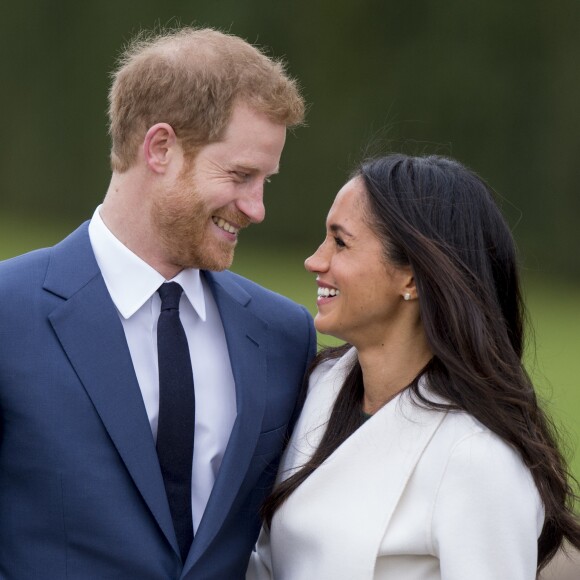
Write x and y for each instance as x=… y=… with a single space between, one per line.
x=225 y=180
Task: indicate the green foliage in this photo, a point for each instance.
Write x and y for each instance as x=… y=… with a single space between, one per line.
x=493 y=83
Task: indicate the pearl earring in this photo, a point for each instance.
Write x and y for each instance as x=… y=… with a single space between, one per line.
x=407 y=296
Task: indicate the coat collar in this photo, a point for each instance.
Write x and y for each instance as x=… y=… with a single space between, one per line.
x=360 y=484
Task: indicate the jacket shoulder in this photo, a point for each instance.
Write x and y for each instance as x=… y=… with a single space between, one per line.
x=262 y=299
x=27 y=272
x=23 y=269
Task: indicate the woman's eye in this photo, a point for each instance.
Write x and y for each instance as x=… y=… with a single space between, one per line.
x=338 y=241
x=241 y=175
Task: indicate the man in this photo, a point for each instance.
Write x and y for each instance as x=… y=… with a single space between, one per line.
x=98 y=456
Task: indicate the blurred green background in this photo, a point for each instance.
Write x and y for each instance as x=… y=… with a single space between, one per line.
x=494 y=83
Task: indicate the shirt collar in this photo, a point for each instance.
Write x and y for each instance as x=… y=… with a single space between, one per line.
x=130 y=280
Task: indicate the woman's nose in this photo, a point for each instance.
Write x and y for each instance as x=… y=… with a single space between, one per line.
x=318 y=262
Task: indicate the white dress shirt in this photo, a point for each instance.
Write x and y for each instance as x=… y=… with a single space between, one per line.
x=133 y=285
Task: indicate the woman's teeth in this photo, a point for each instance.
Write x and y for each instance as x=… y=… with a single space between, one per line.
x=326 y=292
x=224 y=225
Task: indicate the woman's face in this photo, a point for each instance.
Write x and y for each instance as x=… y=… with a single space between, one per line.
x=360 y=296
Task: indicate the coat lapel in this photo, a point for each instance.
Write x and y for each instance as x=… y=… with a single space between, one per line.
x=90 y=332
x=391 y=444
x=246 y=337
x=359 y=486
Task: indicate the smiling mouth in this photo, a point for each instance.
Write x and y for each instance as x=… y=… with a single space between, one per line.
x=225 y=225
x=324 y=292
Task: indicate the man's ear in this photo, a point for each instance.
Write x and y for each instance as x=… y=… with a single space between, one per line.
x=159 y=146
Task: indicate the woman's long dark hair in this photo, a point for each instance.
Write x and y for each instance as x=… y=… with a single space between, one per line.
x=440 y=218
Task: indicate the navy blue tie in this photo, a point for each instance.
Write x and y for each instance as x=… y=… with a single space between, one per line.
x=176 y=424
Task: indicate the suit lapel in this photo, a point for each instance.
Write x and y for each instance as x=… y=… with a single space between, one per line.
x=246 y=337
x=90 y=332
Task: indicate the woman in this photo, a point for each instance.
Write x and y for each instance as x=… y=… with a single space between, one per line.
x=421 y=452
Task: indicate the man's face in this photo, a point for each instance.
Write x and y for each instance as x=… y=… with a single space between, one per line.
x=197 y=219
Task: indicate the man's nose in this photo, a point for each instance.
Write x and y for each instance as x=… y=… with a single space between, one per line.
x=252 y=203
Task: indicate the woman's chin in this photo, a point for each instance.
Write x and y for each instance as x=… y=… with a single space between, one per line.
x=321 y=325
x=325 y=327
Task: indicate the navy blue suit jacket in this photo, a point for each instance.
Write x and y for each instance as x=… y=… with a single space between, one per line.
x=81 y=492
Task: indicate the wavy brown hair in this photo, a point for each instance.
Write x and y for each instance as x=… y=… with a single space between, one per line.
x=438 y=217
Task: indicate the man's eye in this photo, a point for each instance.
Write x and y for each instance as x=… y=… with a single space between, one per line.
x=338 y=241
x=241 y=175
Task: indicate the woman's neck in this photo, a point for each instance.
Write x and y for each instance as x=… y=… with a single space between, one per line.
x=390 y=367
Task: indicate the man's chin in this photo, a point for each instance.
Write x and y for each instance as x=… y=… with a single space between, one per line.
x=223 y=265
x=218 y=267
x=212 y=263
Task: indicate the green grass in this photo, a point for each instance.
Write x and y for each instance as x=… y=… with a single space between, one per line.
x=554 y=310
x=554 y=365
x=20 y=234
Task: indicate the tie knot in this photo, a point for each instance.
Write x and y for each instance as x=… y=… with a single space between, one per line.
x=170 y=293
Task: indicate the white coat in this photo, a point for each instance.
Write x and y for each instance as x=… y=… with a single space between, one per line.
x=413 y=494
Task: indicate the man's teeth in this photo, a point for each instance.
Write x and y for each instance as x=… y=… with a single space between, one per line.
x=224 y=225
x=326 y=292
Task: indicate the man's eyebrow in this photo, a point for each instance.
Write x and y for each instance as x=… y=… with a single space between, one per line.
x=337 y=228
x=249 y=168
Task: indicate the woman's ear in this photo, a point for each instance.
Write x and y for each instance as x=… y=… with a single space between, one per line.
x=159 y=146
x=408 y=287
